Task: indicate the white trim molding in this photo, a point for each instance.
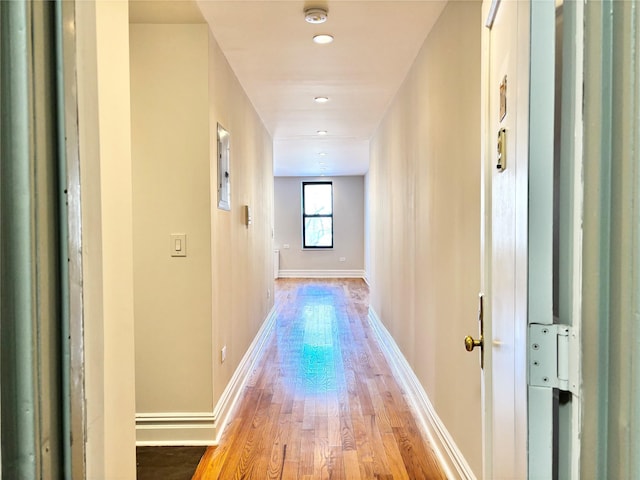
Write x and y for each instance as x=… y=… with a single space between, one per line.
x=203 y=428
x=231 y=393
x=451 y=459
x=321 y=274
x=174 y=428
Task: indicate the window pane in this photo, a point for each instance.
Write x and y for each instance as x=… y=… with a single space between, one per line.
x=317 y=232
x=317 y=199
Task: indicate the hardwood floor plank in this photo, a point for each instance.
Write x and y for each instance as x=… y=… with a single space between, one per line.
x=297 y=412
x=346 y=428
x=394 y=458
x=322 y=402
x=279 y=449
x=293 y=445
x=407 y=440
x=333 y=423
x=351 y=465
x=322 y=405
x=363 y=447
x=364 y=399
x=308 y=418
x=336 y=465
x=379 y=457
x=321 y=458
x=235 y=433
x=380 y=411
x=241 y=458
x=307 y=453
x=267 y=441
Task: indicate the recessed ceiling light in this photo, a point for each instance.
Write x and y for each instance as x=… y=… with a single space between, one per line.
x=321 y=132
x=315 y=15
x=323 y=154
x=323 y=39
x=321 y=163
x=321 y=99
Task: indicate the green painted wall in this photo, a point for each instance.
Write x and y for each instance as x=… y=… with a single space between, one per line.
x=611 y=290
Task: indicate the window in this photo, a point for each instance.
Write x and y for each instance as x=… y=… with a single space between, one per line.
x=317 y=214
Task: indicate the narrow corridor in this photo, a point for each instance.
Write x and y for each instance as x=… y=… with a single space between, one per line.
x=322 y=402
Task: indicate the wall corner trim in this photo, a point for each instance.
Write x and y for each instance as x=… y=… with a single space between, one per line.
x=451 y=459
x=203 y=428
x=321 y=274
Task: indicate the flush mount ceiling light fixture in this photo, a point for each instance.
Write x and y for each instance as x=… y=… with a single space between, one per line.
x=321 y=99
x=315 y=15
x=323 y=39
x=321 y=132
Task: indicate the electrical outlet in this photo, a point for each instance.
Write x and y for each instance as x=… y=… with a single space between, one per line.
x=223 y=354
x=343 y=259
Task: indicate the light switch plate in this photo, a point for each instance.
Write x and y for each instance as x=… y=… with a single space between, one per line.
x=178 y=244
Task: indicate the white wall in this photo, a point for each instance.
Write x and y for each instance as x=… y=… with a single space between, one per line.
x=107 y=255
x=348 y=239
x=171 y=192
x=188 y=308
x=241 y=256
x=423 y=200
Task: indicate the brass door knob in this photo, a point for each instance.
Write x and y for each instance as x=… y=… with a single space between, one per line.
x=470 y=343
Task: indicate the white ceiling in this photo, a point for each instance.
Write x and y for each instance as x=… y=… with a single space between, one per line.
x=269 y=47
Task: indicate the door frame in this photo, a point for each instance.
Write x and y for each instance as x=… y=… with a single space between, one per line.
x=73 y=367
x=534 y=213
x=489 y=10
x=564 y=431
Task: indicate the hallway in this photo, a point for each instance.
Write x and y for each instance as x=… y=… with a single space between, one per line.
x=322 y=402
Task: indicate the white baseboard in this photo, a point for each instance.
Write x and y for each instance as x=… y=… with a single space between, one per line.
x=451 y=459
x=203 y=428
x=231 y=393
x=175 y=428
x=321 y=274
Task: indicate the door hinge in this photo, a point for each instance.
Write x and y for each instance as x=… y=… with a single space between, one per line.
x=551 y=349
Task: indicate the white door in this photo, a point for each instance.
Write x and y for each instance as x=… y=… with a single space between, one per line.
x=504 y=242
x=531 y=419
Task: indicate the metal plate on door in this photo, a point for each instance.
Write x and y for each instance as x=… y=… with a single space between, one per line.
x=501 y=164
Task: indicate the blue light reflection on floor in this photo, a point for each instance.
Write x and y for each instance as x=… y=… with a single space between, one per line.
x=318 y=352
x=311 y=340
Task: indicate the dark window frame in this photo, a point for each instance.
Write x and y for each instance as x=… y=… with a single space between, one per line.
x=305 y=216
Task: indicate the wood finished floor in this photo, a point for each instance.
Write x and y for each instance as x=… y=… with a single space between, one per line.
x=322 y=402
